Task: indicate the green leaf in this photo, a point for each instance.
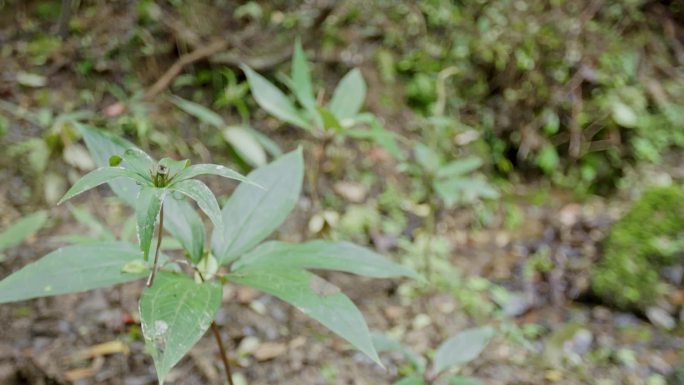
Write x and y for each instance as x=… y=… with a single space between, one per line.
x=174 y=166
x=329 y=120
x=199 y=111
x=379 y=135
x=427 y=158
x=246 y=145
x=462 y=348
x=348 y=96
x=271 y=99
x=185 y=225
x=147 y=210
x=138 y=161
x=461 y=380
x=174 y=313
x=326 y=255
x=331 y=308
x=301 y=78
x=209 y=169
x=22 y=229
x=267 y=143
x=383 y=344
x=200 y=193
x=96 y=178
x=459 y=167
x=251 y=214
x=411 y=380
x=71 y=269
x=102 y=146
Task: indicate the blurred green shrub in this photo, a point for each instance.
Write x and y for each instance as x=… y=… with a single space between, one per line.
x=574 y=89
x=649 y=237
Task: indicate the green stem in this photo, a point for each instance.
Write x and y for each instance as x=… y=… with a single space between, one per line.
x=160 y=234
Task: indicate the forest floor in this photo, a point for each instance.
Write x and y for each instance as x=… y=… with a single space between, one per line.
x=552 y=330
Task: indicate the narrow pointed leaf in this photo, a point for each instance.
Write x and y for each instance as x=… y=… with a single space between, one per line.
x=174 y=166
x=252 y=213
x=331 y=308
x=459 y=167
x=246 y=145
x=348 y=96
x=147 y=210
x=271 y=99
x=384 y=344
x=22 y=229
x=175 y=313
x=199 y=111
x=301 y=78
x=209 y=169
x=72 y=269
x=326 y=255
x=185 y=225
x=138 y=161
x=200 y=193
x=96 y=178
x=462 y=348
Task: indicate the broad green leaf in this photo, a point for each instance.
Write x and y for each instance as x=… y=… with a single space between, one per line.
x=200 y=193
x=199 y=111
x=246 y=145
x=96 y=178
x=326 y=255
x=71 y=269
x=185 y=225
x=462 y=348
x=103 y=145
x=271 y=99
x=174 y=166
x=459 y=167
x=464 y=190
x=147 y=210
x=411 y=380
x=252 y=213
x=22 y=229
x=301 y=78
x=348 y=96
x=175 y=313
x=384 y=344
x=208 y=169
x=267 y=143
x=331 y=308
x=138 y=161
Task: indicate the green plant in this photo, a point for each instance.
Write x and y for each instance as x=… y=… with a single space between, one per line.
x=649 y=237
x=18 y=231
x=451 y=355
x=341 y=117
x=175 y=309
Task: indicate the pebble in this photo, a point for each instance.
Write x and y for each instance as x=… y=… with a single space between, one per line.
x=661 y=318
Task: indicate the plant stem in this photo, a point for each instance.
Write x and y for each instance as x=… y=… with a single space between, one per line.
x=222 y=350
x=160 y=234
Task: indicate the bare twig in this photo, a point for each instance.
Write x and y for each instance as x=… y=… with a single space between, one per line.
x=163 y=82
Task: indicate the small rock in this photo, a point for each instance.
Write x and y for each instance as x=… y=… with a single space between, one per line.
x=660 y=365
x=269 y=350
x=516 y=305
x=660 y=317
x=352 y=192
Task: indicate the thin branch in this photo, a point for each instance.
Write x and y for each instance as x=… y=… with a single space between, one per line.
x=224 y=356
x=150 y=279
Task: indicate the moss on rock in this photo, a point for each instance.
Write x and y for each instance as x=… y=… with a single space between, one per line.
x=648 y=238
